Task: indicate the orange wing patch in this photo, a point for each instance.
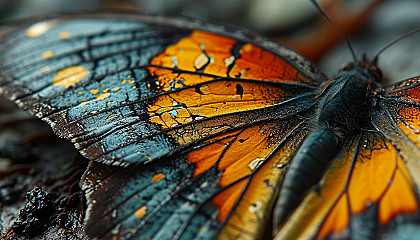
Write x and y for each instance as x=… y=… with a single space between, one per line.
x=399 y=198
x=412 y=95
x=256 y=63
x=214 y=54
x=207 y=157
x=373 y=170
x=215 y=98
x=337 y=220
x=233 y=155
x=199 y=50
x=226 y=200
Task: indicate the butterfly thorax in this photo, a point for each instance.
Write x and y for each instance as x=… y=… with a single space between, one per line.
x=343 y=108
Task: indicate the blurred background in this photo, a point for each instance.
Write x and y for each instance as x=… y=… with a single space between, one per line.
x=370 y=24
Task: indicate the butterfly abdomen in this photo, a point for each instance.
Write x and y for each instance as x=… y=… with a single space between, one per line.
x=341 y=111
x=305 y=170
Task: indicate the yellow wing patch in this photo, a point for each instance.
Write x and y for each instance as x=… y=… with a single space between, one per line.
x=39 y=29
x=47 y=54
x=141 y=212
x=69 y=76
x=157 y=177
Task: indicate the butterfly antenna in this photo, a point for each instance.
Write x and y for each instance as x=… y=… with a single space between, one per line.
x=395 y=41
x=336 y=28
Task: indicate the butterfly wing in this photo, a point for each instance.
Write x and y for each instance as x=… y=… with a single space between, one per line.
x=371 y=189
x=129 y=89
x=367 y=192
x=218 y=113
x=226 y=186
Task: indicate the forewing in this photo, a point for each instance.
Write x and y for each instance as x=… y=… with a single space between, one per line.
x=367 y=193
x=127 y=88
x=224 y=187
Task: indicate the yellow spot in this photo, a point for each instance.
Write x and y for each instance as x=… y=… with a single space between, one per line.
x=106 y=90
x=255 y=163
x=103 y=96
x=69 y=76
x=255 y=207
x=38 y=29
x=47 y=54
x=157 y=177
x=83 y=103
x=229 y=61
x=79 y=93
x=85 y=100
x=202 y=229
x=94 y=91
x=123 y=81
x=43 y=69
x=129 y=76
x=109 y=102
x=116 y=88
x=64 y=35
x=133 y=87
x=130 y=81
x=141 y=212
x=102 y=85
x=110 y=116
x=201 y=61
x=205 y=89
x=247 y=47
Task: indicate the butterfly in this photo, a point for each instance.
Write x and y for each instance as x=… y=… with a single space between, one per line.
x=199 y=131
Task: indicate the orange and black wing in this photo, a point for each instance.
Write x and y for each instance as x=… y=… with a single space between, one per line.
x=205 y=118
x=370 y=191
x=366 y=193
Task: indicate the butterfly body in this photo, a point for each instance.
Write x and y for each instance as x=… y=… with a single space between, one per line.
x=341 y=112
